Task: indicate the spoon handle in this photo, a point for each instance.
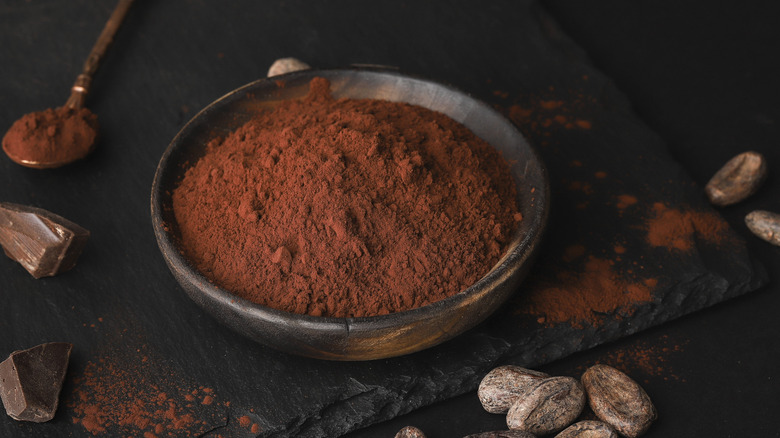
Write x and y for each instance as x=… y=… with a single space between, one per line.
x=78 y=93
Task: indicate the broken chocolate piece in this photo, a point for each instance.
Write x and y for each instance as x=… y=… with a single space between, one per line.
x=44 y=243
x=31 y=380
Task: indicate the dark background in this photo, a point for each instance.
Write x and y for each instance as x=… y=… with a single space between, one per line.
x=702 y=75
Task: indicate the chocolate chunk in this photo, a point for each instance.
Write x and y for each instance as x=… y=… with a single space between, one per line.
x=31 y=380
x=43 y=242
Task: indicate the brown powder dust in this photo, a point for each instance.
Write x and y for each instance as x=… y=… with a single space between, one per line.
x=540 y=114
x=677 y=229
x=625 y=201
x=346 y=207
x=643 y=359
x=583 y=297
x=111 y=396
x=646 y=358
x=598 y=286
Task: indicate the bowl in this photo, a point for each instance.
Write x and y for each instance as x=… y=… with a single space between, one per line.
x=361 y=338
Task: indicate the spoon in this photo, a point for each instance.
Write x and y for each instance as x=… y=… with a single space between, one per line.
x=55 y=137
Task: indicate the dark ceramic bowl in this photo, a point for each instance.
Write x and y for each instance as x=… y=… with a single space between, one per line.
x=367 y=337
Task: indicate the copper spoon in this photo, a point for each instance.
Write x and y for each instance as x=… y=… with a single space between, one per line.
x=75 y=103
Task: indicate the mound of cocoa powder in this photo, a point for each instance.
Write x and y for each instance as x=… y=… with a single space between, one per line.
x=340 y=207
x=52 y=135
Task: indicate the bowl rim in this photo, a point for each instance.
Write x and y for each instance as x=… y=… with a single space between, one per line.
x=520 y=252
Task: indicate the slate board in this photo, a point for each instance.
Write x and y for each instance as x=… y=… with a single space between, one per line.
x=122 y=307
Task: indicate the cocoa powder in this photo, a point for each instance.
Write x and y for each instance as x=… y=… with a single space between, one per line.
x=113 y=395
x=53 y=135
x=678 y=229
x=595 y=285
x=336 y=207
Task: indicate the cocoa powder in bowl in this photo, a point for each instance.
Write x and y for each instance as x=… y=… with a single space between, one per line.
x=346 y=207
x=379 y=335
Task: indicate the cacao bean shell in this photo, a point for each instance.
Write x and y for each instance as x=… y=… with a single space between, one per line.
x=588 y=429
x=739 y=178
x=549 y=407
x=410 y=432
x=502 y=386
x=618 y=400
x=286 y=65
x=765 y=225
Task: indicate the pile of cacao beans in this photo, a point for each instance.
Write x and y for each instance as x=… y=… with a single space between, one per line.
x=537 y=404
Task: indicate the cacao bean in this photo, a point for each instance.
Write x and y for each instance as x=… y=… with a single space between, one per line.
x=549 y=407
x=588 y=429
x=410 y=432
x=503 y=434
x=502 y=386
x=286 y=65
x=739 y=178
x=765 y=225
x=618 y=400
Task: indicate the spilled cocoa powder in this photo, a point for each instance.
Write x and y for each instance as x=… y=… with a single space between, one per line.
x=678 y=229
x=114 y=396
x=583 y=297
x=647 y=358
x=337 y=207
x=539 y=114
x=590 y=287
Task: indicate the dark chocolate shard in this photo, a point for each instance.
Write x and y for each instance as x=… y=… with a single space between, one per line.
x=44 y=243
x=31 y=380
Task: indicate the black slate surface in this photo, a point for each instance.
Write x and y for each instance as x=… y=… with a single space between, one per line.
x=120 y=305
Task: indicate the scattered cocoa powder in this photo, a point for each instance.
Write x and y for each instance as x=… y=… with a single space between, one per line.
x=346 y=207
x=597 y=285
x=646 y=358
x=112 y=396
x=625 y=201
x=539 y=116
x=573 y=252
x=584 y=297
x=53 y=135
x=677 y=229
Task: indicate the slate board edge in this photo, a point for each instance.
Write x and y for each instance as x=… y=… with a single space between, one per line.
x=349 y=419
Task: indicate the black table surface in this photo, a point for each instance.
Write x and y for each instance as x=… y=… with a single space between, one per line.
x=702 y=75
